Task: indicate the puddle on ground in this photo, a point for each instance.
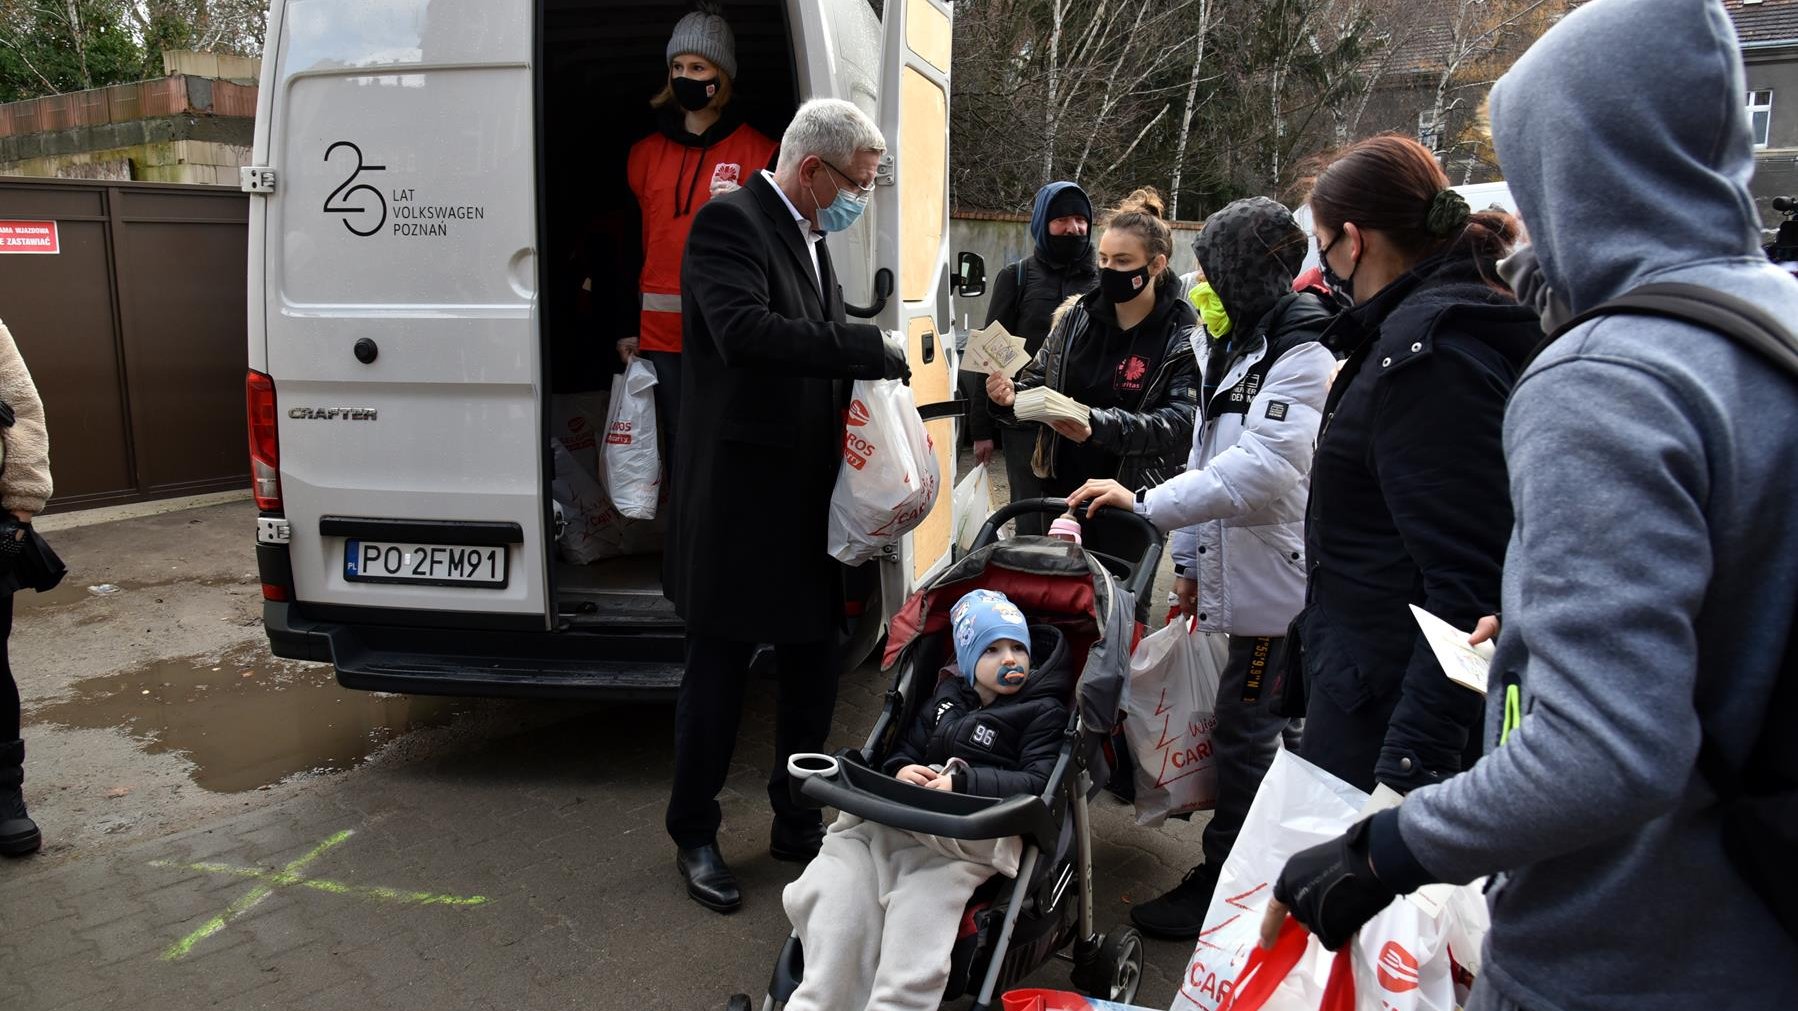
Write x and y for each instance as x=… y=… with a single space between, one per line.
x=246 y=720
x=69 y=591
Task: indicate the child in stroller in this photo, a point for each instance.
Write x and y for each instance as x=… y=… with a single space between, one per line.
x=1011 y=926
x=879 y=908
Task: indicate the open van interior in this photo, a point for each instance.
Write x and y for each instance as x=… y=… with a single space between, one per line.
x=601 y=63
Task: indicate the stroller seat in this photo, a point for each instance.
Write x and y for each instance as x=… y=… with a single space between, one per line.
x=1011 y=926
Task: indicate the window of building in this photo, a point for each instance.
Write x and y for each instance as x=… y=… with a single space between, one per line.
x=1760 y=115
x=1428 y=133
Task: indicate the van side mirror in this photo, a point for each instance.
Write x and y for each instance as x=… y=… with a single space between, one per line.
x=970 y=275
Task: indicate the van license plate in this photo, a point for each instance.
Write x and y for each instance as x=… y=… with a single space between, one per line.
x=431 y=564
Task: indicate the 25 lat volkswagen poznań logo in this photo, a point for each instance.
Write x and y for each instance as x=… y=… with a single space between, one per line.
x=344 y=200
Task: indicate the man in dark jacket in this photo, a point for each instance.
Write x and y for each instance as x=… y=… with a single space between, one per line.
x=1026 y=294
x=767 y=356
x=1648 y=588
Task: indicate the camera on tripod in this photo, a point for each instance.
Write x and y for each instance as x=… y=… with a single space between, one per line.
x=1785 y=245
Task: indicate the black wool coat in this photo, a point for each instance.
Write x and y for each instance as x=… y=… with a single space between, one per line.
x=765 y=369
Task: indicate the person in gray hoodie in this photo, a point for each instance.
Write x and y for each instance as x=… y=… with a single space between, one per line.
x=1649 y=589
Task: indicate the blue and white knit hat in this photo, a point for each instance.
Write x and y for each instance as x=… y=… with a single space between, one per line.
x=980 y=619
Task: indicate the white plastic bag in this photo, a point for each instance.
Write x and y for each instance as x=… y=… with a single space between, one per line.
x=633 y=463
x=579 y=421
x=592 y=530
x=890 y=476
x=1170 y=711
x=1407 y=958
x=973 y=501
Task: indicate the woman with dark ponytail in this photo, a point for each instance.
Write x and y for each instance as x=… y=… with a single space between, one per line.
x=1125 y=351
x=1409 y=496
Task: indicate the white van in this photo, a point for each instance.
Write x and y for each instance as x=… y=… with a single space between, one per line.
x=435 y=246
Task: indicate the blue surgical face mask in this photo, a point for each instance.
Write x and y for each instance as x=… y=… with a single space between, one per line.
x=845 y=210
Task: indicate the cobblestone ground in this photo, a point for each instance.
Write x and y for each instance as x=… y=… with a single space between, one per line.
x=512 y=859
x=556 y=828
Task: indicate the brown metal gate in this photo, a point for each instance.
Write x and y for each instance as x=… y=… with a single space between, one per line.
x=134 y=332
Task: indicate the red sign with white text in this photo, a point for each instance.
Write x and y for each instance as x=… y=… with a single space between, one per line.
x=28 y=237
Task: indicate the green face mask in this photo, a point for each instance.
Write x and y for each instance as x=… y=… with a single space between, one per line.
x=1211 y=309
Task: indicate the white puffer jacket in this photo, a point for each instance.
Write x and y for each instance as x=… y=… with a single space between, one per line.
x=1238 y=510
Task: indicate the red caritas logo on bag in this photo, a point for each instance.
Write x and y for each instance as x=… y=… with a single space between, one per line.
x=857 y=415
x=857 y=451
x=1397 y=968
x=620 y=434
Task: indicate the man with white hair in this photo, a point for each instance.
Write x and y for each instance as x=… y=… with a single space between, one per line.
x=765 y=383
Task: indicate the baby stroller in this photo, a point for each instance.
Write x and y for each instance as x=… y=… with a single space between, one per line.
x=1012 y=926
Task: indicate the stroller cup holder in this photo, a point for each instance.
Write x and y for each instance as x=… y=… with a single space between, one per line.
x=808 y=764
x=867 y=793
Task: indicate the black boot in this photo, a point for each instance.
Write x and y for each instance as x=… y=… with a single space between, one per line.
x=18 y=833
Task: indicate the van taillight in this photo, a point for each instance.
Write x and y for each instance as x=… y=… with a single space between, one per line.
x=265 y=453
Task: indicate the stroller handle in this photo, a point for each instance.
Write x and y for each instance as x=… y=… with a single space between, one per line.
x=1142 y=570
x=866 y=793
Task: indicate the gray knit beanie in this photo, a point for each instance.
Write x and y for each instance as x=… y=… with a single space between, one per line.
x=705 y=33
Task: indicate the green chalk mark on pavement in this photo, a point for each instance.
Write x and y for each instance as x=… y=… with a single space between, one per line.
x=290 y=877
x=333 y=887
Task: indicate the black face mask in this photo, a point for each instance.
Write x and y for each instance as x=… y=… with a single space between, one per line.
x=1120 y=286
x=1343 y=287
x=1065 y=248
x=693 y=95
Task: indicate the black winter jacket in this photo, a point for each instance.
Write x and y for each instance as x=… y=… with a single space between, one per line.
x=1025 y=296
x=1149 y=444
x=1410 y=504
x=1011 y=745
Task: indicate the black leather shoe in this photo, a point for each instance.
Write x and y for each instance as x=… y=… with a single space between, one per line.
x=795 y=843
x=709 y=880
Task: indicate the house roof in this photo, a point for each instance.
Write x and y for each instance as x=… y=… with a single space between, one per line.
x=1423 y=38
x=1768 y=21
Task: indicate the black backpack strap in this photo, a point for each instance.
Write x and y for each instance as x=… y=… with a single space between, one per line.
x=1717 y=311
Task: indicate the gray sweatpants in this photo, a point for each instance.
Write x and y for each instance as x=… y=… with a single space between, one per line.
x=877 y=911
x=1247 y=736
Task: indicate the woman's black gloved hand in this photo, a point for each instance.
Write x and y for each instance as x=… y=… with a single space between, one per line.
x=1331 y=888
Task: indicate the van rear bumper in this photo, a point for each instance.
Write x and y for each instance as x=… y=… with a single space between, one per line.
x=385 y=653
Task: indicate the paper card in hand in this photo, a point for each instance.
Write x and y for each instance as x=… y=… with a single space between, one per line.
x=994 y=350
x=1465 y=665
x=1039 y=403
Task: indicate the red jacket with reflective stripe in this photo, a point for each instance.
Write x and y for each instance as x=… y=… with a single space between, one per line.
x=672 y=179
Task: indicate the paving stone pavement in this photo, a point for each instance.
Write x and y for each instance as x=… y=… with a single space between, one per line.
x=553 y=819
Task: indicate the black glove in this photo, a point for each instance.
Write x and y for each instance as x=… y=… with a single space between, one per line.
x=1331 y=889
x=894 y=364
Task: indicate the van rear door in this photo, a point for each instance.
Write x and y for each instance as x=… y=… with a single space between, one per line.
x=400 y=299
x=912 y=239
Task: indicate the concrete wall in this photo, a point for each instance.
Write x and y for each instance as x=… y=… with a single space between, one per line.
x=221 y=66
x=1003 y=241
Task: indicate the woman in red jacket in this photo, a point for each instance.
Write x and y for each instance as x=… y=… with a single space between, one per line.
x=700 y=151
